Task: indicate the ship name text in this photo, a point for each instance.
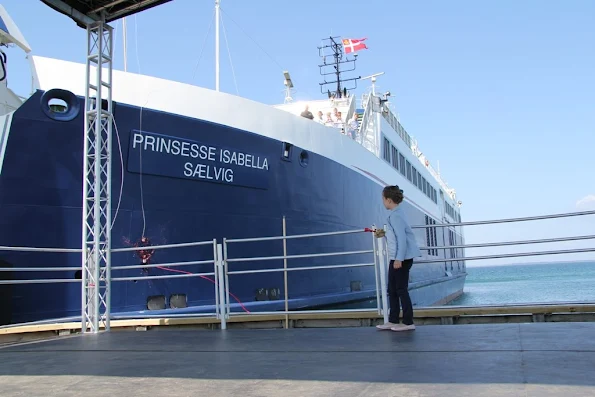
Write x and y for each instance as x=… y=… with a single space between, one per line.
x=159 y=154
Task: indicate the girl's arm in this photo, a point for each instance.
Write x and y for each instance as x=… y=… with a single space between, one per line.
x=399 y=225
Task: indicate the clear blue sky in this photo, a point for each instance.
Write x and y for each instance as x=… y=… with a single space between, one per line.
x=501 y=93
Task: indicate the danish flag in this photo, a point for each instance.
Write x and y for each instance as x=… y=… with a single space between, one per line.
x=353 y=45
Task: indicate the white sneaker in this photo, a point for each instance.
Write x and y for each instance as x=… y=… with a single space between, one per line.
x=403 y=327
x=386 y=326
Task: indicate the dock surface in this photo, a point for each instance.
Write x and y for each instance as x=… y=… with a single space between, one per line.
x=538 y=359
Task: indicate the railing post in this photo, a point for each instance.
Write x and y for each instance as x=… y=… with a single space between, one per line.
x=217 y=279
x=383 y=264
x=285 y=273
x=376 y=274
x=222 y=286
x=226 y=269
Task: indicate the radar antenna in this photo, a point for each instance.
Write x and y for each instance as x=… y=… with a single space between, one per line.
x=378 y=102
x=336 y=46
x=288 y=87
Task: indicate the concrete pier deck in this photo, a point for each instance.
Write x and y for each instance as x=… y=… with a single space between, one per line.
x=538 y=359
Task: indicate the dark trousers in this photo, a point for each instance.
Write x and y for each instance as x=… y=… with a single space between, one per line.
x=398 y=292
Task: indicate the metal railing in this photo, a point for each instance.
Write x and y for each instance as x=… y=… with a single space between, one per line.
x=508 y=220
x=366 y=134
x=166 y=266
x=286 y=269
x=222 y=262
x=163 y=266
x=39 y=269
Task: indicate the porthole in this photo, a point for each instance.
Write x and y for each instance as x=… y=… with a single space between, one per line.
x=60 y=105
x=286 y=154
x=304 y=157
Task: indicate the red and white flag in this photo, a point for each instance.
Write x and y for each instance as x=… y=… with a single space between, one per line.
x=353 y=45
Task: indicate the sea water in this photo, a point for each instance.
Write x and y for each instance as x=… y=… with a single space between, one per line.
x=554 y=282
x=529 y=283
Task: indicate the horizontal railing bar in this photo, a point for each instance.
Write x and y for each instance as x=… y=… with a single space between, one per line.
x=266 y=258
x=147 y=266
x=38 y=269
x=141 y=278
x=571 y=251
x=273 y=313
x=550 y=240
x=40 y=281
x=293 y=269
x=40 y=249
x=163 y=246
x=489 y=222
x=245 y=240
x=43 y=322
x=144 y=316
x=513 y=308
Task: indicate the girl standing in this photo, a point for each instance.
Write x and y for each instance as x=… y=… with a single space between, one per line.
x=402 y=248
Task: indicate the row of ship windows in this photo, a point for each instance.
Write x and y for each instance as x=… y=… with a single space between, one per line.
x=454 y=214
x=401 y=164
x=392 y=120
x=432 y=240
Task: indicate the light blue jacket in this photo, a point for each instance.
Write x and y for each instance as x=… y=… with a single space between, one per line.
x=400 y=238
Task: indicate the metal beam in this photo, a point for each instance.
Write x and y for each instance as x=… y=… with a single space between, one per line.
x=86 y=12
x=96 y=233
x=94 y=16
x=79 y=17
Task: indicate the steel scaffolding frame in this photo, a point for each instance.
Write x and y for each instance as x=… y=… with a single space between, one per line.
x=97 y=175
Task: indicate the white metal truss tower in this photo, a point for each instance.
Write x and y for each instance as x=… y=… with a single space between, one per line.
x=96 y=257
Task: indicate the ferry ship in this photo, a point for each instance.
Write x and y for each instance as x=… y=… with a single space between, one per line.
x=195 y=164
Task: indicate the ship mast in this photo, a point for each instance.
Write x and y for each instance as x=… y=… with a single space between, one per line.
x=334 y=43
x=125 y=44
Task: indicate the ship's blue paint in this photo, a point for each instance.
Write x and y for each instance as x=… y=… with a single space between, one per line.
x=3 y=26
x=40 y=204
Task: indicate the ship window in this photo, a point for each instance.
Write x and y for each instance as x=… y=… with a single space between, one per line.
x=402 y=166
x=408 y=170
x=428 y=243
x=424 y=185
x=452 y=241
x=431 y=239
x=414 y=175
x=395 y=158
x=386 y=152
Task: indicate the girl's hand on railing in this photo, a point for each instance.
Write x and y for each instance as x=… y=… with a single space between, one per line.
x=379 y=233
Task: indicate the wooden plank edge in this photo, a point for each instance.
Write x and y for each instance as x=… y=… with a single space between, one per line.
x=372 y=314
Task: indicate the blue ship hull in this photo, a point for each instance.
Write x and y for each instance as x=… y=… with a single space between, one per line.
x=40 y=205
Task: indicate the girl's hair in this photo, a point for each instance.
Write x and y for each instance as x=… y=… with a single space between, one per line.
x=394 y=193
